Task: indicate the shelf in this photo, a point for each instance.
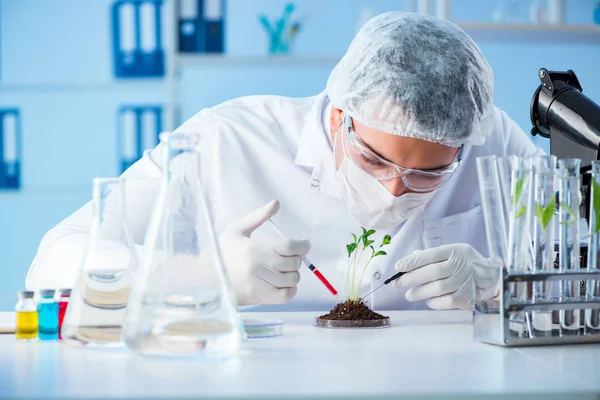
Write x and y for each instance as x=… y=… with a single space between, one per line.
x=204 y=59
x=537 y=33
x=75 y=87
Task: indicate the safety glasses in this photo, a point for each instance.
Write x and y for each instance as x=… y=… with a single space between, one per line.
x=417 y=180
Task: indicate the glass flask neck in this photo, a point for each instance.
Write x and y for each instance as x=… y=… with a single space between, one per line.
x=102 y=187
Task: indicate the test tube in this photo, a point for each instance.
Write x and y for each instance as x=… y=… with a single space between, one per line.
x=492 y=204
x=543 y=238
x=495 y=229
x=592 y=316
x=569 y=240
x=519 y=254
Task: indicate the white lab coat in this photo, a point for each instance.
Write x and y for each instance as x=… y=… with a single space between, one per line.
x=261 y=148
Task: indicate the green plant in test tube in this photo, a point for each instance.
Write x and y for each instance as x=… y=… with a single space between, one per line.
x=520 y=211
x=519 y=255
x=356 y=254
x=545 y=214
x=569 y=195
x=543 y=238
x=592 y=316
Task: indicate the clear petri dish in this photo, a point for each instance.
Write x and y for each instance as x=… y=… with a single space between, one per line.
x=340 y=324
x=258 y=328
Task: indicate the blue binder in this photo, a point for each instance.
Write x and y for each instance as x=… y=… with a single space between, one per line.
x=10 y=149
x=201 y=27
x=138 y=130
x=137 y=44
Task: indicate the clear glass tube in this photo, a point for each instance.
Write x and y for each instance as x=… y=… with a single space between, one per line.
x=487 y=297
x=182 y=302
x=569 y=196
x=519 y=236
x=592 y=316
x=492 y=204
x=543 y=238
x=504 y=173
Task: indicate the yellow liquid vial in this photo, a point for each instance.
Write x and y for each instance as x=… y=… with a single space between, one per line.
x=27 y=325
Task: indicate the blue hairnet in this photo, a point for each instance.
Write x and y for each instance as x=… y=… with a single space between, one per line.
x=416 y=76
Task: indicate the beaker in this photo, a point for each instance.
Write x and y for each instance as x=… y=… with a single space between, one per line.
x=592 y=316
x=96 y=310
x=182 y=302
x=569 y=197
x=543 y=238
x=520 y=258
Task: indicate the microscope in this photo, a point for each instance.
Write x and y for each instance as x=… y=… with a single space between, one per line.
x=563 y=114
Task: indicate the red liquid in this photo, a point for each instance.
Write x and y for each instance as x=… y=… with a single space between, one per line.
x=325 y=282
x=62 y=308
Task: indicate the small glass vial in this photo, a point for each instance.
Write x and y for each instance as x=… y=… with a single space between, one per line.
x=26 y=317
x=48 y=315
x=63 y=300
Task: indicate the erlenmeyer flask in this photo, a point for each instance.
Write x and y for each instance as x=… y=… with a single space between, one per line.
x=96 y=310
x=182 y=301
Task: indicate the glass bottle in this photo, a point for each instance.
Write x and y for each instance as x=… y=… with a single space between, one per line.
x=63 y=300
x=569 y=196
x=94 y=316
x=26 y=315
x=48 y=315
x=182 y=302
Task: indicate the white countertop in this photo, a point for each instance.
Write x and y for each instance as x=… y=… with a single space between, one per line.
x=424 y=353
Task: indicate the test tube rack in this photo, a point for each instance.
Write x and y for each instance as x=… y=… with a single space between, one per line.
x=492 y=318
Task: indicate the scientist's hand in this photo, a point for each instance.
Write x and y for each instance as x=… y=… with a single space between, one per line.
x=263 y=271
x=444 y=275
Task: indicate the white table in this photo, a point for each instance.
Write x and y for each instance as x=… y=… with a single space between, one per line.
x=424 y=353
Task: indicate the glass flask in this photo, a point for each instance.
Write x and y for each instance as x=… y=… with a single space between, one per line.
x=182 y=302
x=96 y=310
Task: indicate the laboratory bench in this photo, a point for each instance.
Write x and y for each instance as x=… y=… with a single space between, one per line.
x=424 y=354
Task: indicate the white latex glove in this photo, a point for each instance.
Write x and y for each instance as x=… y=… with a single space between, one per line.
x=263 y=271
x=444 y=276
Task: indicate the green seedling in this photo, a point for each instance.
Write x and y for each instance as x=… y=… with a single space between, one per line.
x=596 y=205
x=544 y=214
x=571 y=213
x=517 y=197
x=356 y=251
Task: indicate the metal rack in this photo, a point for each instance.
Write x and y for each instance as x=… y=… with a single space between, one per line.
x=492 y=323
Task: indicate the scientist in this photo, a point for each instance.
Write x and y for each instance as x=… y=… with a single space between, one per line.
x=389 y=145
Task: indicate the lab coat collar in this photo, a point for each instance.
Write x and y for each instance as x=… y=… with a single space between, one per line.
x=315 y=150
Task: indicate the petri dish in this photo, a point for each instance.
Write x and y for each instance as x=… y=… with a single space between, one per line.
x=258 y=328
x=341 y=324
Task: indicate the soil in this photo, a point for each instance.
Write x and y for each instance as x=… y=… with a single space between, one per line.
x=352 y=311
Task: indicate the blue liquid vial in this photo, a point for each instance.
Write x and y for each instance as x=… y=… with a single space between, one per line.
x=48 y=315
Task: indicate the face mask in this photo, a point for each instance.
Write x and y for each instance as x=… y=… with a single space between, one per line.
x=371 y=203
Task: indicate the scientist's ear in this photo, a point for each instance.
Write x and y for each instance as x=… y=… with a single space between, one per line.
x=335 y=120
